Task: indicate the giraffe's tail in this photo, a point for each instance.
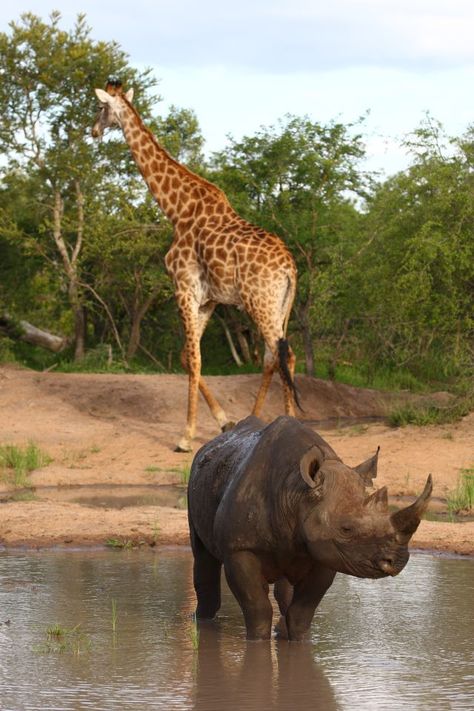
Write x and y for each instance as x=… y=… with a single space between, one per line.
x=283 y=355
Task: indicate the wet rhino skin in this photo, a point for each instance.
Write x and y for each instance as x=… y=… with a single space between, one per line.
x=275 y=504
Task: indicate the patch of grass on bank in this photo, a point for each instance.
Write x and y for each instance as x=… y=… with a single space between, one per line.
x=431 y=414
x=184 y=471
x=462 y=498
x=16 y=463
x=363 y=375
x=124 y=544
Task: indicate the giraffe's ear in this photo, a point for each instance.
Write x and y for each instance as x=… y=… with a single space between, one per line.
x=103 y=96
x=129 y=95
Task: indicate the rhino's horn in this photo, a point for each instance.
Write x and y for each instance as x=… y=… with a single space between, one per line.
x=378 y=500
x=309 y=465
x=407 y=520
x=368 y=469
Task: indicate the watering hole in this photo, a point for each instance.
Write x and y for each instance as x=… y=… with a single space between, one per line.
x=113 y=630
x=119 y=496
x=112 y=496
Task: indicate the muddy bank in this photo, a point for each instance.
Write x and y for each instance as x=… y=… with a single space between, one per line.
x=121 y=429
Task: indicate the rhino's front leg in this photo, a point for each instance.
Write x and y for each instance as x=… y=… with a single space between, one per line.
x=206 y=578
x=307 y=595
x=244 y=575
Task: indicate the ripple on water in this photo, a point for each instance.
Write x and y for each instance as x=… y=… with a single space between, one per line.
x=387 y=644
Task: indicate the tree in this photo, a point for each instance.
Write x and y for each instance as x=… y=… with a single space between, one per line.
x=300 y=179
x=47 y=76
x=418 y=285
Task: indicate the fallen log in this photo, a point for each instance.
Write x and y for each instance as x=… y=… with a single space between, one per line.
x=24 y=331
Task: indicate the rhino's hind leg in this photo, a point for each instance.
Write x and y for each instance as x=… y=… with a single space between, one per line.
x=244 y=575
x=283 y=593
x=207 y=579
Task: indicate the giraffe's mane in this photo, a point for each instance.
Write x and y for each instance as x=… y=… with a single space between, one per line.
x=197 y=178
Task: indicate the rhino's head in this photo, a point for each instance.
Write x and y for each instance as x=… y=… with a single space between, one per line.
x=348 y=530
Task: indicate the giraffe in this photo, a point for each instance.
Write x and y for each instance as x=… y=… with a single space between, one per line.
x=216 y=257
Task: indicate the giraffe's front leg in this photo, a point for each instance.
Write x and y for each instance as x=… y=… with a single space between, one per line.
x=193 y=356
x=195 y=320
x=189 y=310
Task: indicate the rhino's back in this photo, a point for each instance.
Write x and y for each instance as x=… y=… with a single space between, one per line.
x=241 y=482
x=216 y=467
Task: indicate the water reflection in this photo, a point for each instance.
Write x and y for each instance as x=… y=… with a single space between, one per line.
x=231 y=674
x=396 y=643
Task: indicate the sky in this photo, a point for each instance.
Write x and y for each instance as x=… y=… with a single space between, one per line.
x=245 y=64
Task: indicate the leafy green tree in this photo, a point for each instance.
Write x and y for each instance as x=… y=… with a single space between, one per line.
x=47 y=76
x=300 y=180
x=417 y=282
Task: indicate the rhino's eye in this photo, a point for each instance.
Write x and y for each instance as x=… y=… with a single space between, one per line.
x=346 y=528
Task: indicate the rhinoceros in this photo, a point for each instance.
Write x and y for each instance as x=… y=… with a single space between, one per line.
x=275 y=504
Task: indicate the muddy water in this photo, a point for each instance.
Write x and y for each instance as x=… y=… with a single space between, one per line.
x=405 y=643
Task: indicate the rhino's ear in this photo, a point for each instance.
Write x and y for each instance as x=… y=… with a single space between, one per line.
x=368 y=469
x=310 y=464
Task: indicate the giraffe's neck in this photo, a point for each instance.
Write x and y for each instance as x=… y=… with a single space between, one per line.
x=181 y=194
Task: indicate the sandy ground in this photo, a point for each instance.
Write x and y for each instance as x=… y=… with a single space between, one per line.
x=121 y=429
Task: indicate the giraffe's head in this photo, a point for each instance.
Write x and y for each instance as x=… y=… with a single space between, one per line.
x=111 y=105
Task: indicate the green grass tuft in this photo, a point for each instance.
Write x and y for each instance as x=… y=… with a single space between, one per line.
x=431 y=414
x=185 y=473
x=462 y=498
x=124 y=544
x=61 y=639
x=17 y=462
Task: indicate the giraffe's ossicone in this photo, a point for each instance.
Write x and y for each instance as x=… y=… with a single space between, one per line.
x=216 y=257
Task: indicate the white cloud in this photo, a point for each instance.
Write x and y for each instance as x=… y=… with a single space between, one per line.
x=281 y=35
x=245 y=64
x=239 y=102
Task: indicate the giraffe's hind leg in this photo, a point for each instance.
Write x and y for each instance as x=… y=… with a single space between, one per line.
x=269 y=364
x=287 y=375
x=270 y=314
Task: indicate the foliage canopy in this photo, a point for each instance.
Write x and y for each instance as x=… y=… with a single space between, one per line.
x=386 y=268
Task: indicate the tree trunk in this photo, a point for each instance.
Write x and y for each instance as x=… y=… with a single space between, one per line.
x=230 y=341
x=137 y=315
x=239 y=327
x=79 y=331
x=243 y=344
x=134 y=338
x=303 y=318
x=308 y=351
x=70 y=261
x=333 y=360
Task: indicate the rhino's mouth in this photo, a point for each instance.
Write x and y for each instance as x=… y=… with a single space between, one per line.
x=380 y=567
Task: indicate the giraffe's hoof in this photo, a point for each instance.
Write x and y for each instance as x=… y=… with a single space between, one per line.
x=228 y=426
x=183 y=446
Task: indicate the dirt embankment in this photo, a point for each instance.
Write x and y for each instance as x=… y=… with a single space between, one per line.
x=115 y=430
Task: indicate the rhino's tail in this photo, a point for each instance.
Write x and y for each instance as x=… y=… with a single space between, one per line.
x=283 y=355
